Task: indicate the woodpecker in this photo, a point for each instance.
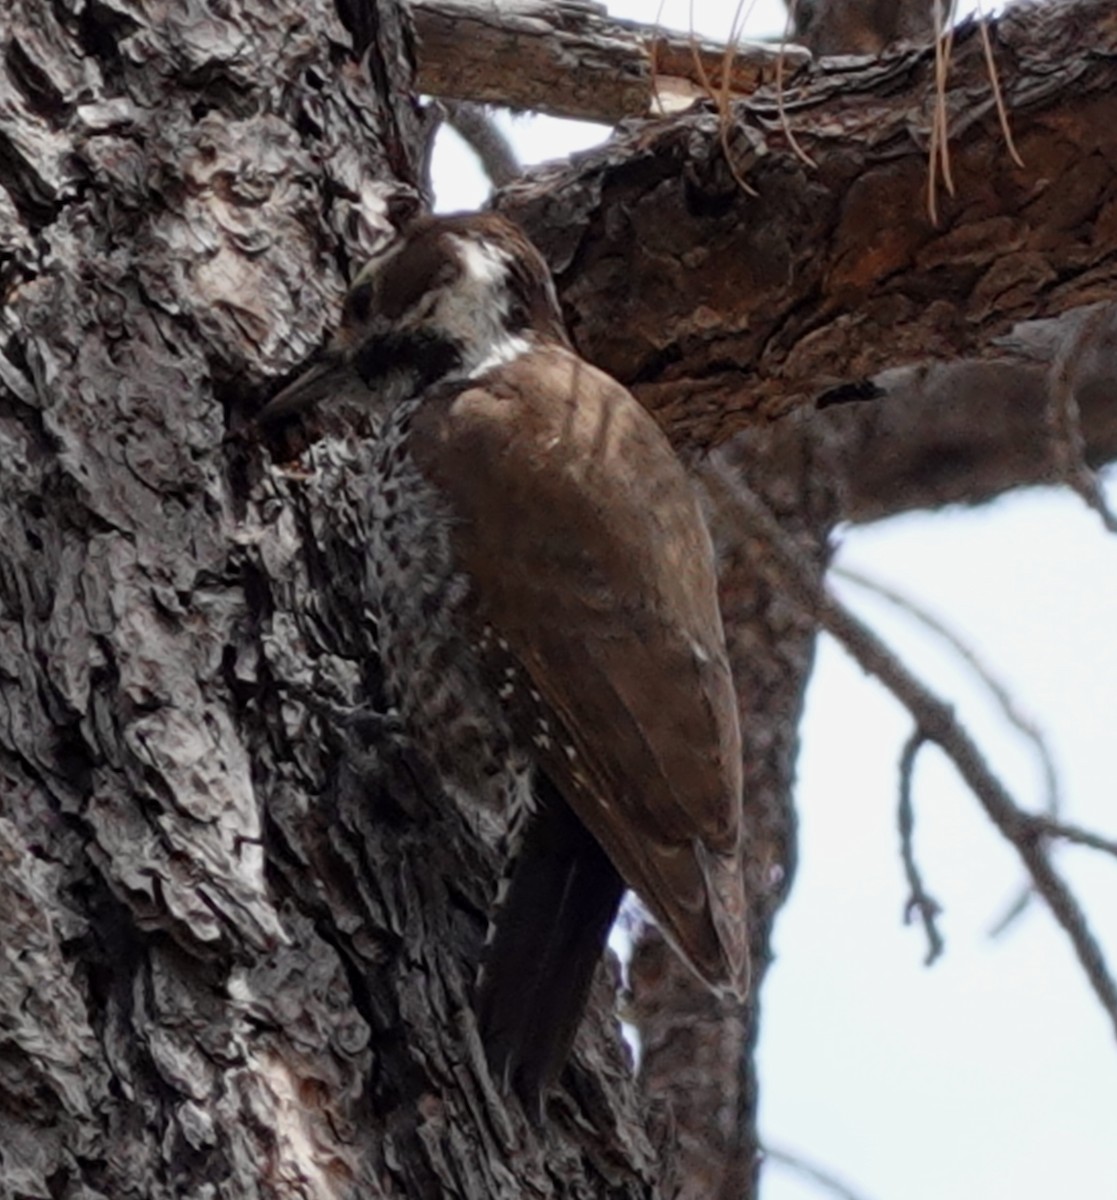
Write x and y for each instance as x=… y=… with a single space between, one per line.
x=545 y=589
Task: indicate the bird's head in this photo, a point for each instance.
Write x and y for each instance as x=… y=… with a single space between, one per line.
x=451 y=298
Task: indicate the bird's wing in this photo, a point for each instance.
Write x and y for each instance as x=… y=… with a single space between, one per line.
x=592 y=563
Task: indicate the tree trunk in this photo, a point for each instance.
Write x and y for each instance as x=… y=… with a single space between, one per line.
x=240 y=921
x=240 y=936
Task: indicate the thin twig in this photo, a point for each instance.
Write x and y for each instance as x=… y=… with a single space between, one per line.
x=1014 y=912
x=788 y=568
x=816 y=1174
x=1045 y=827
x=919 y=900
x=1050 y=827
x=1000 y=693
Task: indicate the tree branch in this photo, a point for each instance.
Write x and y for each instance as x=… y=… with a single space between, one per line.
x=1064 y=416
x=571 y=60
x=920 y=900
x=1000 y=693
x=822 y=1177
x=782 y=560
x=720 y=308
x=475 y=125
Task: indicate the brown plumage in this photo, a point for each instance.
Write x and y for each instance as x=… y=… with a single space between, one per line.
x=576 y=597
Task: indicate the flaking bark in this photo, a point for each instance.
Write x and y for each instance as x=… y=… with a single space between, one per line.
x=240 y=932
x=240 y=928
x=571 y=60
x=725 y=307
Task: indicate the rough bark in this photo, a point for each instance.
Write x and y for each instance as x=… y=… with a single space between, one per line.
x=571 y=60
x=240 y=929
x=239 y=934
x=726 y=307
x=959 y=433
x=863 y=26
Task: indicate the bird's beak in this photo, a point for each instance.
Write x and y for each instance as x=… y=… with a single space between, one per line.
x=330 y=379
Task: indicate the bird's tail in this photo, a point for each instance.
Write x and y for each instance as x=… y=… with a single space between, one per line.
x=549 y=933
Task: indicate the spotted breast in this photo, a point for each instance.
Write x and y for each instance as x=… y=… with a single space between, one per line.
x=546 y=590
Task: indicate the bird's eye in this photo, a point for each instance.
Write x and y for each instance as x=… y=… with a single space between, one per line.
x=358 y=304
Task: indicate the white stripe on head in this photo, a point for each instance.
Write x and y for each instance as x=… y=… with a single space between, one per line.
x=475 y=312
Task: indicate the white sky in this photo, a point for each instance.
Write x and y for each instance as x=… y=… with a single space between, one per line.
x=993 y=1074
